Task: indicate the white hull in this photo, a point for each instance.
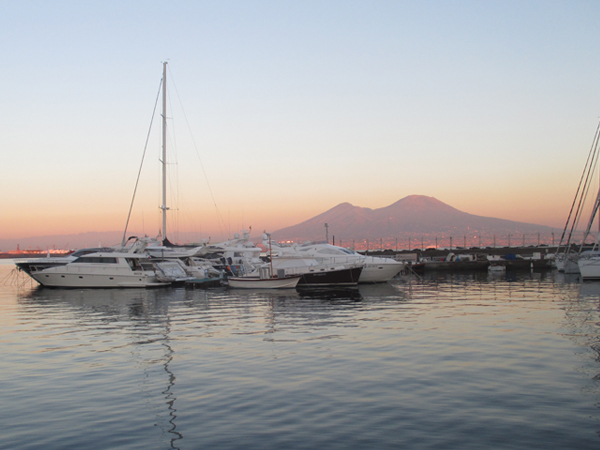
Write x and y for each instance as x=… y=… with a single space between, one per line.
x=263 y=283
x=589 y=268
x=380 y=270
x=89 y=280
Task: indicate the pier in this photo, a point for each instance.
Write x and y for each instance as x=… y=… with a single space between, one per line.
x=474 y=258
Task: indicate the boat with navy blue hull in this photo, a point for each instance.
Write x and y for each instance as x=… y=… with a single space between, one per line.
x=374 y=269
x=330 y=277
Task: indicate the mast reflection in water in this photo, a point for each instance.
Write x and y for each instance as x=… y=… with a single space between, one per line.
x=170 y=396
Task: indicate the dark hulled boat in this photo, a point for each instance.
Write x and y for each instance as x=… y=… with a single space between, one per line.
x=334 y=277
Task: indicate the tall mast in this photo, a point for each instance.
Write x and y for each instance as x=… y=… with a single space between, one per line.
x=164 y=152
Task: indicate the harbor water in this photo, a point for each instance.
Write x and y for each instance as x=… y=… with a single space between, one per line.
x=448 y=361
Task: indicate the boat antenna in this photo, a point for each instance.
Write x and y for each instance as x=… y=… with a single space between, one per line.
x=270 y=253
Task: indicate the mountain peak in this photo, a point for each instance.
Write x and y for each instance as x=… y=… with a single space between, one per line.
x=420 y=203
x=343 y=207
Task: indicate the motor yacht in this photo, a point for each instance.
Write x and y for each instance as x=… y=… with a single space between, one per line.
x=374 y=269
x=102 y=270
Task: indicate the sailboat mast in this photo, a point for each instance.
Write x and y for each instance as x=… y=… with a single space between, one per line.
x=164 y=152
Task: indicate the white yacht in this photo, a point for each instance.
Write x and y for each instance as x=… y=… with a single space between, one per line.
x=102 y=270
x=374 y=269
x=589 y=265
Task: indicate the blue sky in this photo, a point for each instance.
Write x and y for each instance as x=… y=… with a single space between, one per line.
x=294 y=107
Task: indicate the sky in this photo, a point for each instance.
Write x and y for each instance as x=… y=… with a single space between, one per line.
x=279 y=111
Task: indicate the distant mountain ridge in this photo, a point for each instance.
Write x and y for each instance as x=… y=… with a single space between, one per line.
x=413 y=216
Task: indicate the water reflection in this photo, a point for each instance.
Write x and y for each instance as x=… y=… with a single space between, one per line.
x=141 y=311
x=589 y=289
x=348 y=293
x=135 y=320
x=110 y=302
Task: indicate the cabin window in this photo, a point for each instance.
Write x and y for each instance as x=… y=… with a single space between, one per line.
x=96 y=260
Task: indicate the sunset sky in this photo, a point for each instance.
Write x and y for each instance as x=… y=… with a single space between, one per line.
x=280 y=110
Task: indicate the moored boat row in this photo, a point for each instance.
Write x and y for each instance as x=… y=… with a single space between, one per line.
x=237 y=263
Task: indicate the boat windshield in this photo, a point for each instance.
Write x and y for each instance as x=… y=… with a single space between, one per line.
x=87 y=251
x=331 y=250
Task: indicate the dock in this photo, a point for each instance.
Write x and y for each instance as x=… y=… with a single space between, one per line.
x=474 y=258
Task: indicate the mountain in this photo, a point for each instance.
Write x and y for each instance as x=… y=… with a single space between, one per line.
x=414 y=216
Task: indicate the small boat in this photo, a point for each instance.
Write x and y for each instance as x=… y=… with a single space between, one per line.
x=496 y=268
x=171 y=271
x=263 y=280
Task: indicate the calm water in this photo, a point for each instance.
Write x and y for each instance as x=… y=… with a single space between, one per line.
x=447 y=362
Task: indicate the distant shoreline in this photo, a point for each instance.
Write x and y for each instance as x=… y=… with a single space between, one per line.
x=35 y=254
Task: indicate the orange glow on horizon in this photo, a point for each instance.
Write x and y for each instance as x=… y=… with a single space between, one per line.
x=263 y=217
